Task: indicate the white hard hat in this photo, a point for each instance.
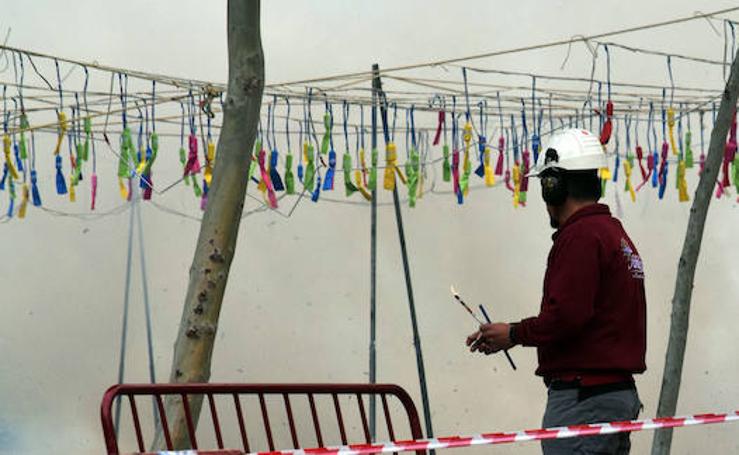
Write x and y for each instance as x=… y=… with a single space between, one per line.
x=573 y=149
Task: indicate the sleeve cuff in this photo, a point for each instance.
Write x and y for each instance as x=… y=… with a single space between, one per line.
x=512 y=335
x=521 y=332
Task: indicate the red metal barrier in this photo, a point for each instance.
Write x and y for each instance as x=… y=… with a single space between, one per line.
x=209 y=391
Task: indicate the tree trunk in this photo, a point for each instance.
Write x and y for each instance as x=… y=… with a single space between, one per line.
x=220 y=226
x=686 y=267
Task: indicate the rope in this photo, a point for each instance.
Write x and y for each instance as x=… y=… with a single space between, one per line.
x=515 y=50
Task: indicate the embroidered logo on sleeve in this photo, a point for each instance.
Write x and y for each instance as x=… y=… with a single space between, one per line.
x=633 y=261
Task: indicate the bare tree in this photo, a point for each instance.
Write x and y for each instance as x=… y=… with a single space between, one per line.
x=220 y=226
x=688 y=259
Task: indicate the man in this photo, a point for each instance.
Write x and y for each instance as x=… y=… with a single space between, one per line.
x=590 y=333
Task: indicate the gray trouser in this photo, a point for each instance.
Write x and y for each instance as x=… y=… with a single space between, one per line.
x=564 y=408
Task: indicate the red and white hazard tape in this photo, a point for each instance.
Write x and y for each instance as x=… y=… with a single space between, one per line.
x=574 y=431
x=518 y=436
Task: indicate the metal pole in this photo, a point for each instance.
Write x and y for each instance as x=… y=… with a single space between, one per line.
x=377 y=83
x=126 y=298
x=147 y=307
x=145 y=288
x=373 y=262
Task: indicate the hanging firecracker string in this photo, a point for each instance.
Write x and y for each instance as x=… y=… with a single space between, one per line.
x=646 y=173
x=455 y=153
x=301 y=155
x=485 y=170
x=254 y=154
x=525 y=158
x=481 y=141
x=289 y=178
x=412 y=166
x=23 y=121
x=516 y=170
x=360 y=173
x=61 y=116
x=617 y=152
x=35 y=194
x=144 y=146
x=689 y=159
x=274 y=174
x=640 y=150
x=628 y=168
x=11 y=191
x=441 y=117
x=271 y=197
x=77 y=148
x=680 y=143
x=304 y=137
x=729 y=153
x=309 y=153
x=362 y=154
x=126 y=145
x=680 y=149
x=446 y=167
x=628 y=163
x=182 y=152
x=152 y=150
x=139 y=160
x=606 y=130
x=424 y=148
x=312 y=154
x=7 y=175
x=535 y=122
x=300 y=170
x=391 y=158
x=185 y=157
x=501 y=139
x=654 y=148
x=72 y=163
x=507 y=177
x=142 y=140
x=263 y=136
x=663 y=166
x=9 y=166
x=719 y=185
x=328 y=144
x=374 y=157
x=346 y=160
x=670 y=113
x=464 y=181
x=192 y=166
x=25 y=192
x=90 y=144
x=16 y=147
x=265 y=183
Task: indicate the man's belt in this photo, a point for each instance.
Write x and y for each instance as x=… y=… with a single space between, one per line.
x=589 y=379
x=587 y=391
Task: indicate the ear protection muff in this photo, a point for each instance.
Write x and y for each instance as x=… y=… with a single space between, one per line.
x=553 y=181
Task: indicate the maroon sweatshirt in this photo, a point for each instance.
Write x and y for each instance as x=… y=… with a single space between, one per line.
x=592 y=319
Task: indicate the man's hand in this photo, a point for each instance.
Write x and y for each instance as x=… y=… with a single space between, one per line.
x=474 y=341
x=491 y=338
